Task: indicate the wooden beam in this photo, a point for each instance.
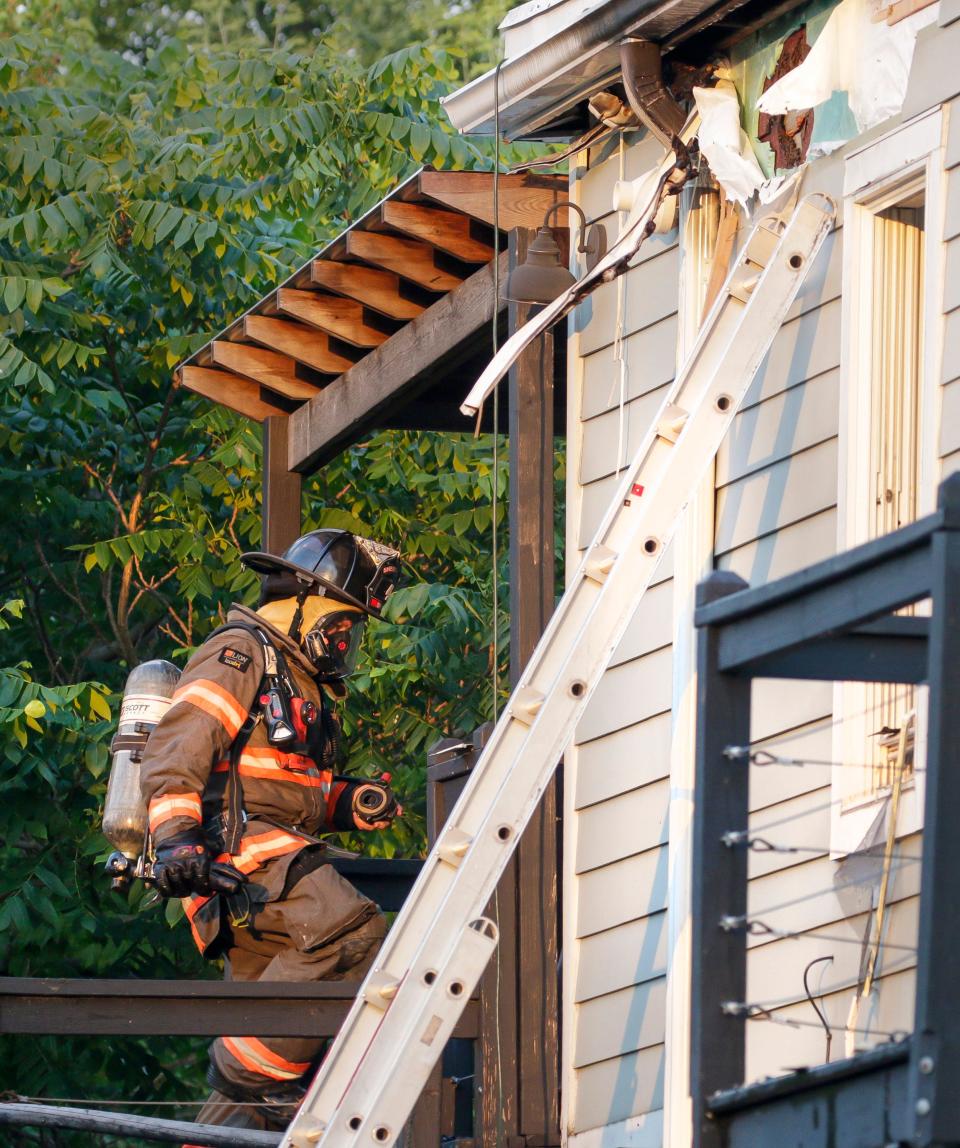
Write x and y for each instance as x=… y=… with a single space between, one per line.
x=342 y=318
x=229 y=390
x=306 y=345
x=447 y=230
x=281 y=489
x=278 y=372
x=103 y=1007
x=387 y=376
x=126 y=1124
x=523 y=199
x=407 y=257
x=532 y=594
x=379 y=290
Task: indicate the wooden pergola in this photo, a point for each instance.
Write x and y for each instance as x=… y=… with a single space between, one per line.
x=386 y=327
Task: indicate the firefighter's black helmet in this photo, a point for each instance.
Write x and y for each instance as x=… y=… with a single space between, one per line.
x=341 y=565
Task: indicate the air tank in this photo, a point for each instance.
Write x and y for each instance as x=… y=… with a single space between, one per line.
x=146 y=698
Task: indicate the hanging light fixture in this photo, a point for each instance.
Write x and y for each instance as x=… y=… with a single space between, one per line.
x=541 y=277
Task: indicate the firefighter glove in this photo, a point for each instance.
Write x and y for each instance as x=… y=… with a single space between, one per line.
x=184 y=866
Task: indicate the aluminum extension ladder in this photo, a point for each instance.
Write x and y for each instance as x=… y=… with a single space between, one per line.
x=439 y=945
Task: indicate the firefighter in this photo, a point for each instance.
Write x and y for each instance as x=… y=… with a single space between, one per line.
x=238 y=777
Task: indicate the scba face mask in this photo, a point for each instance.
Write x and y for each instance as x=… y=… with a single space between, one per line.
x=333 y=642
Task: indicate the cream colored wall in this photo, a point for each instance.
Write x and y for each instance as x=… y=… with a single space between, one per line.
x=776 y=512
x=617 y=775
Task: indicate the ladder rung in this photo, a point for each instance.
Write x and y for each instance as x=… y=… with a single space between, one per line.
x=762 y=245
x=759 y=251
x=599 y=563
x=453 y=845
x=380 y=989
x=526 y=704
x=368 y=1082
x=672 y=423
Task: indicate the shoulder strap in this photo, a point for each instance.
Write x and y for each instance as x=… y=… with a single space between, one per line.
x=233 y=794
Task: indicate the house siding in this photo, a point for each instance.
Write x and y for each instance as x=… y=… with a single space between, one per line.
x=776 y=511
x=619 y=769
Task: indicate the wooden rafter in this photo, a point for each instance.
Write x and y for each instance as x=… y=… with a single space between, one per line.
x=407 y=257
x=446 y=230
x=297 y=340
x=230 y=390
x=381 y=282
x=523 y=199
x=324 y=425
x=269 y=369
x=376 y=289
x=342 y=318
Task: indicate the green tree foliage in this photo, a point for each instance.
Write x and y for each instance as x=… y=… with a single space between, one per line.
x=363 y=30
x=144 y=204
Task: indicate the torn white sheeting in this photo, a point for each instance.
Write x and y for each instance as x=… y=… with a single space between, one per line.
x=726 y=146
x=858 y=53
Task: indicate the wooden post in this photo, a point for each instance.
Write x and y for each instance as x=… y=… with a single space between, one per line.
x=519 y=1025
x=935 y=1050
x=281 y=489
x=722 y=788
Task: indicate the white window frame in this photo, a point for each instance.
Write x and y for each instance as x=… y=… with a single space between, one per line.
x=877 y=176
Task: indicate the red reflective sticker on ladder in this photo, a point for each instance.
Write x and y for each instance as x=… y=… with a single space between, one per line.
x=636 y=489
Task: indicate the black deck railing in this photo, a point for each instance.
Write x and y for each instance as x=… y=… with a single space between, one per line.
x=133 y=1007
x=835 y=621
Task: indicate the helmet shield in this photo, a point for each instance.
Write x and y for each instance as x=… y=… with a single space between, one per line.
x=343 y=566
x=333 y=642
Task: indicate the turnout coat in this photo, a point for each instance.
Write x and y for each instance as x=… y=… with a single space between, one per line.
x=184 y=775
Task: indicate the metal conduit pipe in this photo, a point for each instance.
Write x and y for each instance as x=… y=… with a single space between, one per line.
x=641 y=63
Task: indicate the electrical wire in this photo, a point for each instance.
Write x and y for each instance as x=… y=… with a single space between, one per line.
x=764 y=758
x=748 y=840
x=619 y=354
x=751 y=1011
x=494 y=551
x=495 y=340
x=821 y=1015
x=754 y=927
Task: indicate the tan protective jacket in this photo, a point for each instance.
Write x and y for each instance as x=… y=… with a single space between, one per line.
x=185 y=766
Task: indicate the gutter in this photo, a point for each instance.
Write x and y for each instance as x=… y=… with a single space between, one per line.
x=568 y=67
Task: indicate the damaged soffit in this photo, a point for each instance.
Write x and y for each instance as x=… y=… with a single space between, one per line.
x=558 y=53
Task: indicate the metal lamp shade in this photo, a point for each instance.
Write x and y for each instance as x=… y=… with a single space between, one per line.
x=541 y=277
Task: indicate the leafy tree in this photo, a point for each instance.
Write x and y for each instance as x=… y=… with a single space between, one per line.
x=143 y=205
x=364 y=30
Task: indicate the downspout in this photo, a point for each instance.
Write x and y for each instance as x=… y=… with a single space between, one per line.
x=641 y=63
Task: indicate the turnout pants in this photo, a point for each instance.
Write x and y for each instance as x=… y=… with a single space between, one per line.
x=319 y=929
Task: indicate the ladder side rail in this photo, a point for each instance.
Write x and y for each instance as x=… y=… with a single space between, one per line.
x=433 y=938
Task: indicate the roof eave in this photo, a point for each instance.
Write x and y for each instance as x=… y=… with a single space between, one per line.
x=539 y=85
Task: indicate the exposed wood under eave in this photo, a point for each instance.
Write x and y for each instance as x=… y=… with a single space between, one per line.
x=448 y=231
x=268 y=368
x=233 y=391
x=398 y=369
x=407 y=257
x=522 y=199
x=379 y=290
x=297 y=340
x=354 y=296
x=343 y=318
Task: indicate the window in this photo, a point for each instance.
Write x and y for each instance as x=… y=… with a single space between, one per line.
x=887 y=476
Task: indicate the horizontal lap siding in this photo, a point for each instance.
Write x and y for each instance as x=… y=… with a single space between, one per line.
x=620 y=780
x=776 y=512
x=776 y=483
